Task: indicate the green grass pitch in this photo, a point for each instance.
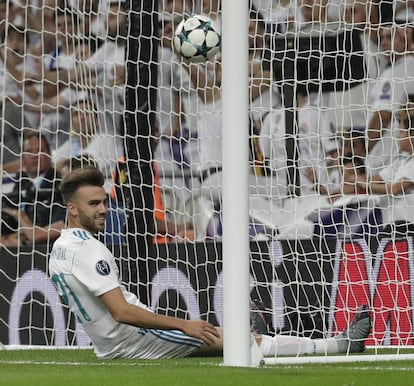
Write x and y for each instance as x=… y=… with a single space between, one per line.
x=81 y=367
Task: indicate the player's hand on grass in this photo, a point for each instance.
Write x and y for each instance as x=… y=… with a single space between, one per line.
x=202 y=330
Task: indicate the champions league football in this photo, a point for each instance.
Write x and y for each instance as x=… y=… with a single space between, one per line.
x=197 y=38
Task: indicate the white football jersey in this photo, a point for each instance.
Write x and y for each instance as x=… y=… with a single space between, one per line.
x=83 y=269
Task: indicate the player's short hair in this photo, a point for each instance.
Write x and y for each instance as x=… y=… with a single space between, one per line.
x=87 y=176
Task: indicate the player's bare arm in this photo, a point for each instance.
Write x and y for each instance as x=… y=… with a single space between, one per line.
x=127 y=313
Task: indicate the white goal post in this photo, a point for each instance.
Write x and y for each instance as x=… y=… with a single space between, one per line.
x=236 y=265
x=279 y=172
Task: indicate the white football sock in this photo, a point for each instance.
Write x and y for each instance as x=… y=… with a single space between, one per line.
x=292 y=345
x=326 y=346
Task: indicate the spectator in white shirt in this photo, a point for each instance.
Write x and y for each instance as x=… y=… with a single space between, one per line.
x=392 y=88
x=14 y=67
x=87 y=139
x=398 y=178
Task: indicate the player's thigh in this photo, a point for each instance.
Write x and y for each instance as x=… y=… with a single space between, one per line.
x=156 y=344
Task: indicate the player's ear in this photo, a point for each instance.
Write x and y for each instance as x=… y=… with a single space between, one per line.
x=72 y=209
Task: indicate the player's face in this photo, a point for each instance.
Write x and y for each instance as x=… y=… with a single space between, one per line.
x=89 y=208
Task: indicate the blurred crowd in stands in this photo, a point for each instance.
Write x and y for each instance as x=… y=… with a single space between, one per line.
x=62 y=90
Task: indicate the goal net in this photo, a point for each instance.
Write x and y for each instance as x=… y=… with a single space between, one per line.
x=330 y=172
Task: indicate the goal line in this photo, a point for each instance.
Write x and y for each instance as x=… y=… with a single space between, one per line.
x=337 y=359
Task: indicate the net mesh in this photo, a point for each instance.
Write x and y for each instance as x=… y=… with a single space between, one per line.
x=331 y=93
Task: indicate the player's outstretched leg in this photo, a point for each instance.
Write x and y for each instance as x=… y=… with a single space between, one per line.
x=352 y=339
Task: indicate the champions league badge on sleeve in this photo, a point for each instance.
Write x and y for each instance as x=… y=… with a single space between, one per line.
x=102 y=267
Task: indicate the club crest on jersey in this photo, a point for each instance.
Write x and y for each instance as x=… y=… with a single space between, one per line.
x=103 y=268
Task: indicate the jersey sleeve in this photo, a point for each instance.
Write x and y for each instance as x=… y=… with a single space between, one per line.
x=94 y=266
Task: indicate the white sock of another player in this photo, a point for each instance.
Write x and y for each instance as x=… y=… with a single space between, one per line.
x=291 y=345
